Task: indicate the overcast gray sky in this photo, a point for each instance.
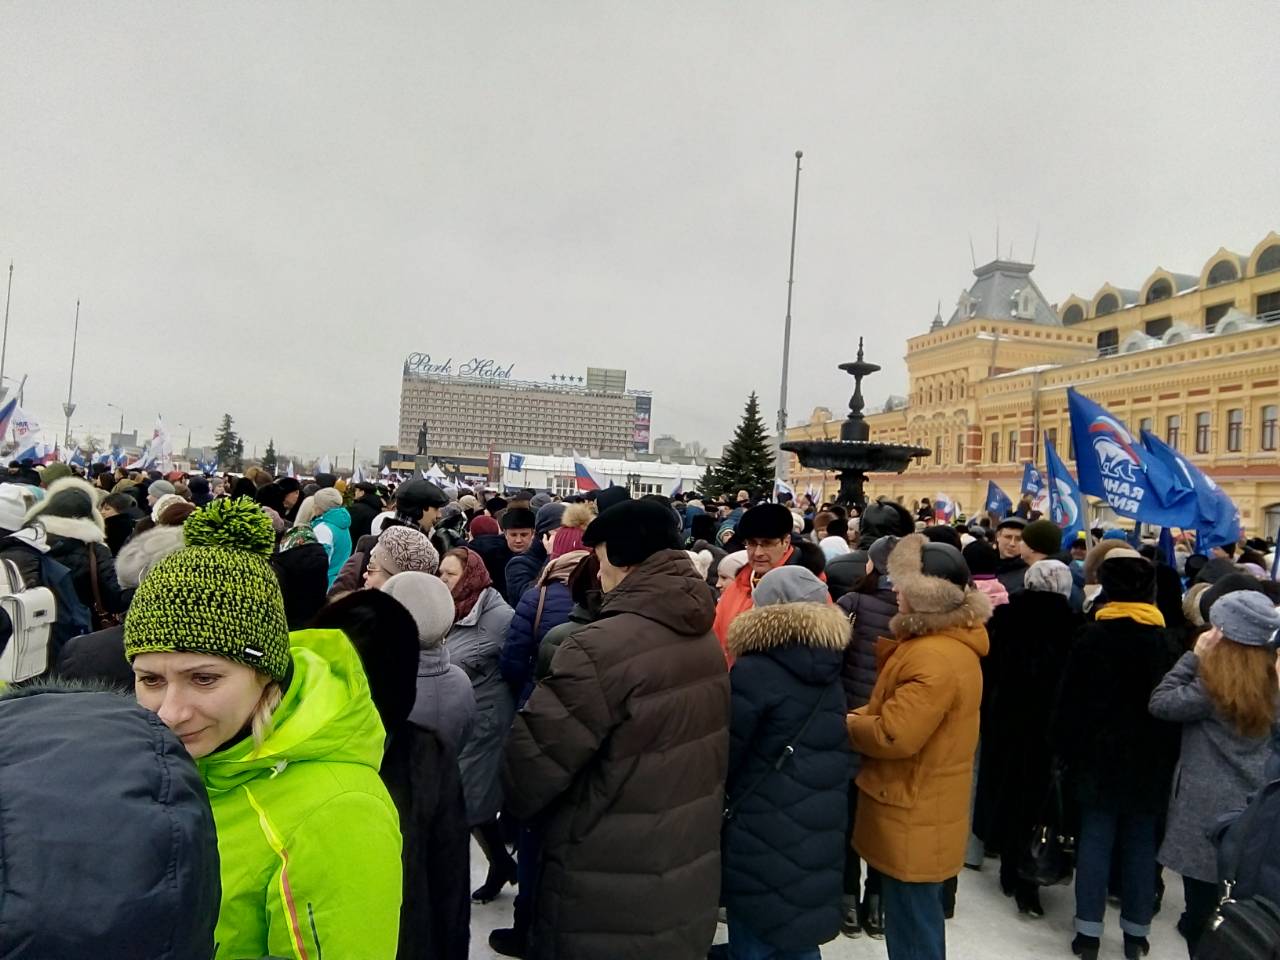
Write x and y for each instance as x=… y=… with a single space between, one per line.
x=265 y=206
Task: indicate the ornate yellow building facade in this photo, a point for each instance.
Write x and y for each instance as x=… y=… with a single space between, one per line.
x=1194 y=358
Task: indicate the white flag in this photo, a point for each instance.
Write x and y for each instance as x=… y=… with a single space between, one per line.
x=25 y=434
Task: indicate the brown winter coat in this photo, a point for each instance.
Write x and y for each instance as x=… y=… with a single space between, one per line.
x=623 y=749
x=918 y=736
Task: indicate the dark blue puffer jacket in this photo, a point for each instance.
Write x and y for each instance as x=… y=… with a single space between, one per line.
x=109 y=846
x=523 y=569
x=870 y=614
x=782 y=854
x=520 y=653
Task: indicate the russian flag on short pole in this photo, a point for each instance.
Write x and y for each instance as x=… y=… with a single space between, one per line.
x=586 y=480
x=781 y=488
x=944 y=507
x=677 y=487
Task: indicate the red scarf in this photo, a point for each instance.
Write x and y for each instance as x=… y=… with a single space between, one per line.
x=475 y=580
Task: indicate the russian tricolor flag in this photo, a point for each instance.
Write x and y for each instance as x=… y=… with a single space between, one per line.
x=6 y=416
x=944 y=508
x=585 y=479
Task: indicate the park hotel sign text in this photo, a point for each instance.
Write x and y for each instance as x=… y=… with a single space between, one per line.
x=479 y=367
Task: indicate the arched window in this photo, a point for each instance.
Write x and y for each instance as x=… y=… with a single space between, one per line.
x=1224 y=271
x=1269 y=259
x=1110 y=303
x=1162 y=289
x=1073 y=314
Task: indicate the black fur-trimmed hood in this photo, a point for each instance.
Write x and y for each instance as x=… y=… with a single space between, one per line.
x=70 y=509
x=817 y=625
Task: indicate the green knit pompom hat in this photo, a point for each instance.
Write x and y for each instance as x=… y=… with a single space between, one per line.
x=218 y=595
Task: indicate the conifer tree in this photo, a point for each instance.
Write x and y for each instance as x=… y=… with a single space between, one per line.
x=747 y=462
x=230 y=449
x=269 y=458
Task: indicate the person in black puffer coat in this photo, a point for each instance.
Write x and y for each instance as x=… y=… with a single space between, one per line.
x=363 y=509
x=1031 y=636
x=1120 y=758
x=870 y=605
x=76 y=536
x=883 y=518
x=786 y=811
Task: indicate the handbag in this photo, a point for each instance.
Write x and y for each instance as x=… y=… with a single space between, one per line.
x=1242 y=929
x=1049 y=856
x=102 y=618
x=731 y=808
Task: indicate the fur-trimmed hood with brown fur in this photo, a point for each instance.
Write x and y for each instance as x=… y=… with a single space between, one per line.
x=934 y=604
x=817 y=625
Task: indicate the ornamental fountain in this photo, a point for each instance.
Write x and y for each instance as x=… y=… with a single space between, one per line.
x=854 y=455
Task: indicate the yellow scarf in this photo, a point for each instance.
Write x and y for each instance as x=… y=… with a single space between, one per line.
x=1137 y=612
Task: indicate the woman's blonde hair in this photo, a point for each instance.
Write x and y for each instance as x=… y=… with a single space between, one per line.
x=260 y=721
x=1241 y=682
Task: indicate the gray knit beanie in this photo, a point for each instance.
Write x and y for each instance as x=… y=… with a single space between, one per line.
x=791 y=584
x=1246 y=617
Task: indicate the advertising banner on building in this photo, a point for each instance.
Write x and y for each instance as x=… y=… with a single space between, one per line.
x=640 y=434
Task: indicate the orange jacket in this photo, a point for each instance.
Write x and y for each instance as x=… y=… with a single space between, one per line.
x=918 y=736
x=736 y=599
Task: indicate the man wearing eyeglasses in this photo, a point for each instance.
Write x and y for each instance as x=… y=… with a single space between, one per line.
x=765 y=530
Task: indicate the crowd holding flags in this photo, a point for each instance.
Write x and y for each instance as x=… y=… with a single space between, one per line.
x=1032 y=480
x=1142 y=479
x=998 y=503
x=1066 y=506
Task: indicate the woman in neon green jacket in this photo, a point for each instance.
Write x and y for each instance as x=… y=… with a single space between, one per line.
x=286 y=738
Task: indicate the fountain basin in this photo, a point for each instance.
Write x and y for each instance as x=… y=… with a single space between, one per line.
x=861 y=455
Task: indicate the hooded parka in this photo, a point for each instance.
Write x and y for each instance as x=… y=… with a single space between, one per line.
x=307 y=834
x=783 y=849
x=919 y=732
x=624 y=749
x=334 y=530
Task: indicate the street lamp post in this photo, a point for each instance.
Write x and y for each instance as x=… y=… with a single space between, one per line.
x=121 y=409
x=69 y=407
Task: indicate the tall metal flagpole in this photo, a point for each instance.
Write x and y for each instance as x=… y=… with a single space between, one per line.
x=4 y=345
x=69 y=407
x=780 y=463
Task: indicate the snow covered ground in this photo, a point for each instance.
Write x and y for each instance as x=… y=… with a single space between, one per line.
x=986 y=927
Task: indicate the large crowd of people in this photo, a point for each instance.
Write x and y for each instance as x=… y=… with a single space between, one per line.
x=250 y=716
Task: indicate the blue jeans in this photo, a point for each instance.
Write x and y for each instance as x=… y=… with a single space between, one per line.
x=745 y=945
x=914 y=925
x=1100 y=831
